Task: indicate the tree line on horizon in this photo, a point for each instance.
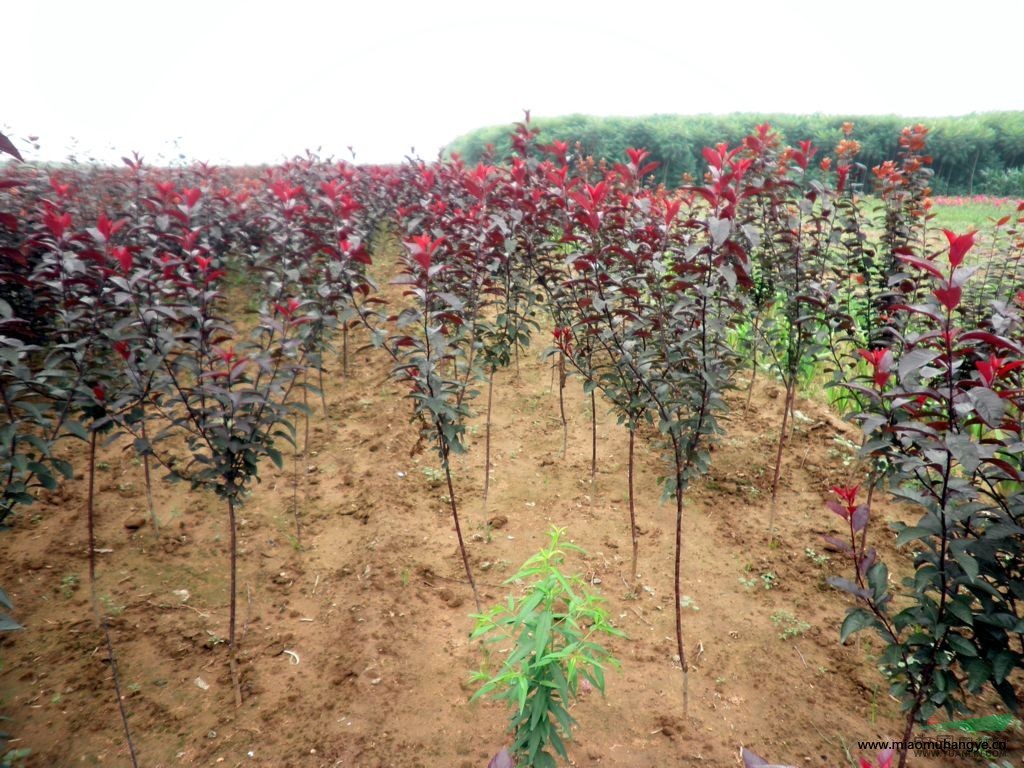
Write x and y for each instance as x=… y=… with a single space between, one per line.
x=972 y=154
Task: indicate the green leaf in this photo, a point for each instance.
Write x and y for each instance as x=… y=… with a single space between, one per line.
x=913 y=533
x=969 y=565
x=978 y=673
x=855 y=621
x=559 y=745
x=1002 y=664
x=75 y=429
x=962 y=611
x=961 y=645
x=538 y=707
x=63 y=467
x=544 y=760
x=563 y=717
x=597 y=676
x=560 y=683
x=878 y=579
x=43 y=475
x=7 y=624
x=275 y=456
x=533 y=746
x=542 y=634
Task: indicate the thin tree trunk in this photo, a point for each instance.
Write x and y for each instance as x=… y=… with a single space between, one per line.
x=344 y=350
x=632 y=508
x=323 y=393
x=305 y=410
x=970 y=180
x=487 y=440
x=232 y=649
x=908 y=732
x=561 y=402
x=115 y=674
x=295 y=496
x=149 y=486
x=678 y=581
x=296 y=474
x=101 y=620
x=455 y=517
x=750 y=388
x=593 y=437
x=90 y=510
x=790 y=388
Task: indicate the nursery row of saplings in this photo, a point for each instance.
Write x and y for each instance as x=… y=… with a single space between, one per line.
x=115 y=322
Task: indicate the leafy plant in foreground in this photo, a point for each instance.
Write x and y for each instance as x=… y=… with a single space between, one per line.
x=553 y=627
x=944 y=408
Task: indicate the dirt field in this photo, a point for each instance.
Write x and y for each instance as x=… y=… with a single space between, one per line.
x=355 y=645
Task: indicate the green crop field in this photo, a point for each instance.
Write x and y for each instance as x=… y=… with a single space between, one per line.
x=977 y=212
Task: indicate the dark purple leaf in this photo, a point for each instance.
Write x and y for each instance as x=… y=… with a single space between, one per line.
x=860 y=517
x=914 y=360
x=988 y=405
x=839 y=544
x=848 y=586
x=7 y=146
x=502 y=760
x=991 y=339
x=836 y=507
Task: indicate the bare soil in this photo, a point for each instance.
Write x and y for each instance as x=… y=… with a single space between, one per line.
x=354 y=644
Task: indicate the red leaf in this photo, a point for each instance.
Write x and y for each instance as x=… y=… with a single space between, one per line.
x=422 y=258
x=714 y=158
x=881 y=362
x=57 y=224
x=124 y=256
x=191 y=196
x=949 y=297
x=847 y=493
x=959 y=245
x=108 y=228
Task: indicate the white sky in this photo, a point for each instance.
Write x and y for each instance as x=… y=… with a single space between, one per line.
x=228 y=81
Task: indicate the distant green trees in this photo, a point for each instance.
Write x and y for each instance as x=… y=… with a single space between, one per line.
x=972 y=154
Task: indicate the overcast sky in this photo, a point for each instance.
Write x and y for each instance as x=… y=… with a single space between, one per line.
x=227 y=81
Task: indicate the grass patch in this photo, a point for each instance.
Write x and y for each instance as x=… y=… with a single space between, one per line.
x=978 y=212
